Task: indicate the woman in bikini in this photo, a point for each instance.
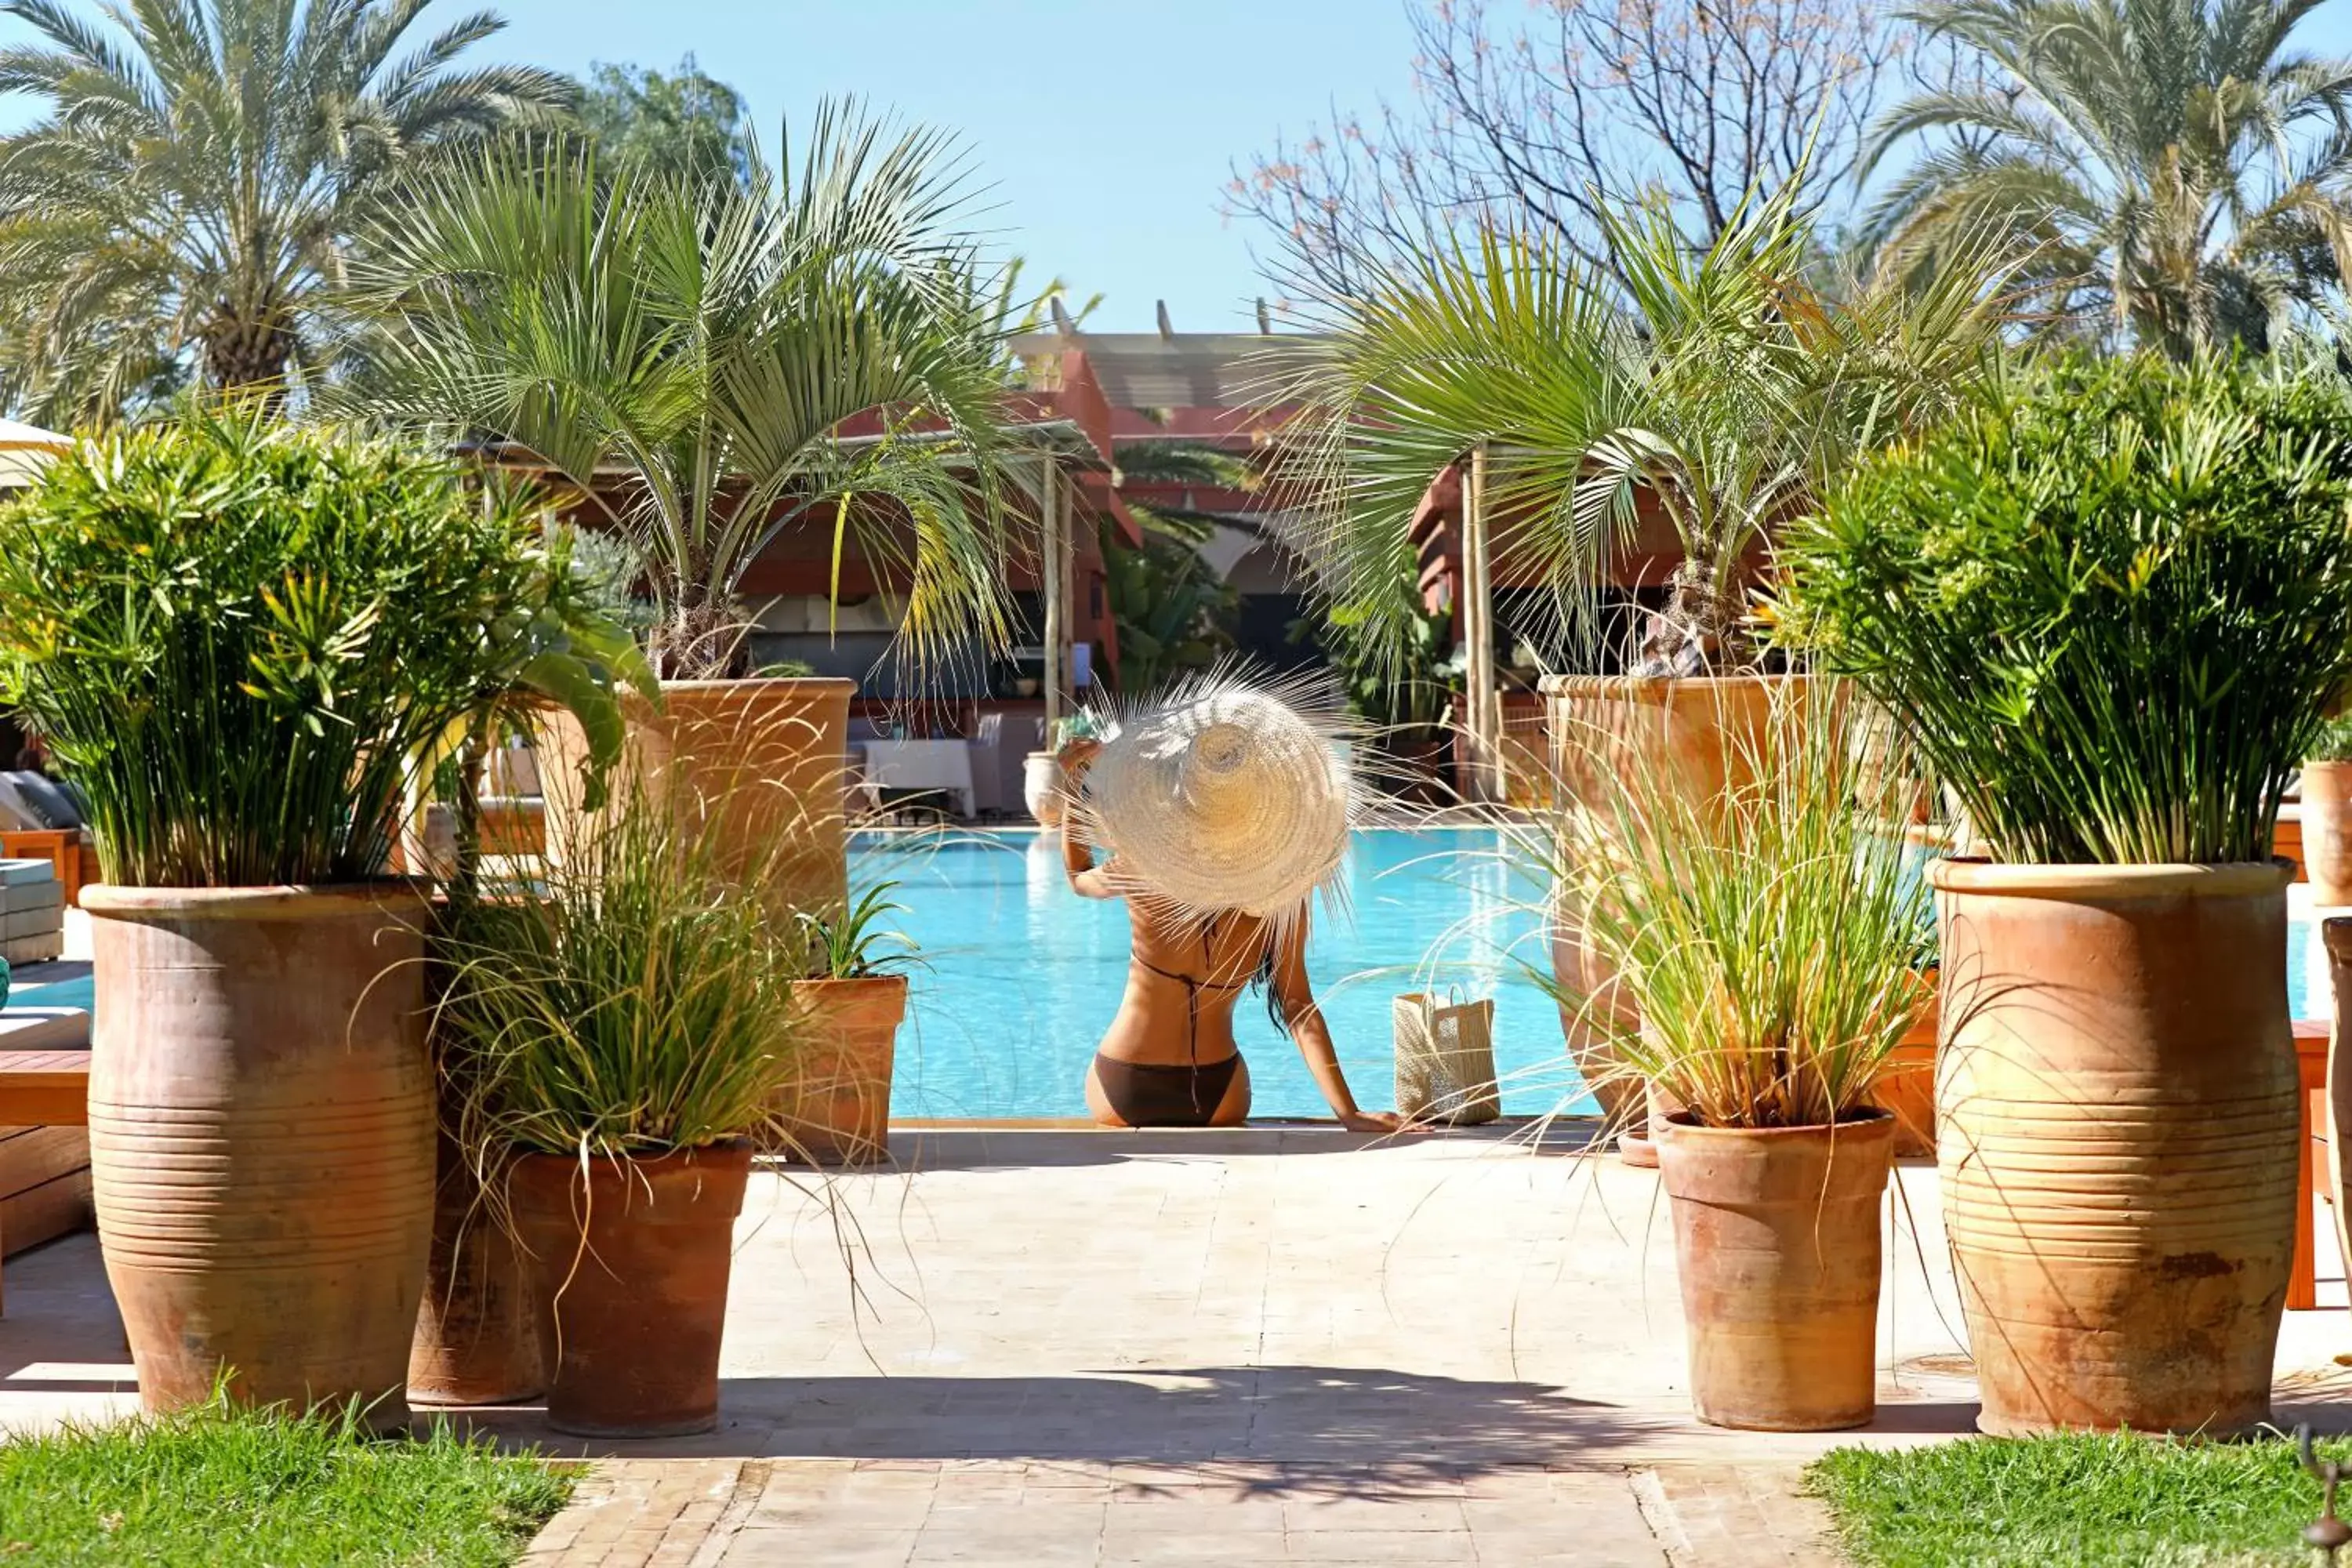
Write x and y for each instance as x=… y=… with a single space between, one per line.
x=1169 y=1058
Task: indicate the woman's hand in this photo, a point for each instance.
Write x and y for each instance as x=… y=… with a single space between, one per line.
x=1077 y=755
x=1378 y=1121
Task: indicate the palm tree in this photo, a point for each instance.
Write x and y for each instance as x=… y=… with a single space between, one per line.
x=688 y=352
x=189 y=202
x=2173 y=170
x=1724 y=386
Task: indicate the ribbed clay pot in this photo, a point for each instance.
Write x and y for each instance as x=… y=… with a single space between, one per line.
x=2116 y=1127
x=261 y=1137
x=477 y=1331
x=2328 y=831
x=629 y=1263
x=1777 y=1244
x=836 y=1106
x=761 y=764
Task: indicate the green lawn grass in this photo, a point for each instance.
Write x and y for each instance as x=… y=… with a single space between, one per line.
x=214 y=1488
x=2085 y=1501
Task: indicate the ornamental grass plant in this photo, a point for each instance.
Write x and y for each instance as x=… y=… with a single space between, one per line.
x=2109 y=602
x=637 y=1000
x=1768 y=936
x=241 y=638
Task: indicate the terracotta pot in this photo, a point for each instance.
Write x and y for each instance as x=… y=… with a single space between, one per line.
x=1776 y=1243
x=629 y=1261
x=838 y=1102
x=2328 y=831
x=1909 y=1088
x=261 y=1137
x=757 y=761
x=2335 y=933
x=1041 y=788
x=1702 y=729
x=1579 y=970
x=2116 y=1129
x=477 y=1331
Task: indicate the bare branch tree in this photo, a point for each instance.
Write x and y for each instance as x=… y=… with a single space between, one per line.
x=1703 y=99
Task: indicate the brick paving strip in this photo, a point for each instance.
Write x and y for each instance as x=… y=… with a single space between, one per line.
x=907 y=1513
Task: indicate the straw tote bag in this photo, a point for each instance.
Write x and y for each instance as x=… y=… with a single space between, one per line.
x=1446 y=1059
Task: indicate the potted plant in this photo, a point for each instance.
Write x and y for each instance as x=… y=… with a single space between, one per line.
x=712 y=365
x=1765 y=937
x=238 y=638
x=836 y=1109
x=619 y=1041
x=2108 y=605
x=1670 y=413
x=2325 y=809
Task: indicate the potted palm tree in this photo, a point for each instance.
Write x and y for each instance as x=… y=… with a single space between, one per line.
x=2108 y=607
x=618 y=1042
x=237 y=638
x=1679 y=409
x=1765 y=937
x=710 y=364
x=836 y=1111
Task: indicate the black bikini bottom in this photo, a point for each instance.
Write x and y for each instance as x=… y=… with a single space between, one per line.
x=1144 y=1095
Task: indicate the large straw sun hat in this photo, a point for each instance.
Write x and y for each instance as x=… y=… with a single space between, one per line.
x=1228 y=795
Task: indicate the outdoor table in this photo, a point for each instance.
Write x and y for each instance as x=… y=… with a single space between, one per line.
x=940 y=766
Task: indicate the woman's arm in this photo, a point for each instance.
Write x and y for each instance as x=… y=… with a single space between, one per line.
x=1086 y=878
x=1313 y=1036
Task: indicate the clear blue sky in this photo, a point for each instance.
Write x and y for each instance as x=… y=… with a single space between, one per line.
x=1105 y=126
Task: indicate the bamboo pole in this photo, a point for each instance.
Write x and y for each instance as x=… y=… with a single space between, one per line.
x=1482 y=703
x=1050 y=579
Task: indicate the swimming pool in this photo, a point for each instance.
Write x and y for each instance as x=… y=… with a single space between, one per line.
x=1022 y=976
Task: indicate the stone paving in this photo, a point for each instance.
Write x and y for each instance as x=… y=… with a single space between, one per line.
x=1265 y=1345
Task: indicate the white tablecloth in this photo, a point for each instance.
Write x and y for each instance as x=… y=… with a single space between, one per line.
x=943 y=766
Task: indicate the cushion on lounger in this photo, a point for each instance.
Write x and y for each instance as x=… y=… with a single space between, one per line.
x=17 y=814
x=49 y=803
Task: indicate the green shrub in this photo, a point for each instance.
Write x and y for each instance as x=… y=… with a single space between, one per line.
x=239 y=636
x=641 y=1002
x=1765 y=937
x=2109 y=603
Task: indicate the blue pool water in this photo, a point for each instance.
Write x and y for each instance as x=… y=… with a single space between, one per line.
x=1024 y=975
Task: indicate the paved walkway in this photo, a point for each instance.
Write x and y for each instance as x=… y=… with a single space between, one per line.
x=1031 y=1348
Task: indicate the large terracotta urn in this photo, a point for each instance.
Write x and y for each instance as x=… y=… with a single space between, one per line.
x=763 y=764
x=261 y=1137
x=836 y=1104
x=2328 y=831
x=629 y=1262
x=1777 y=1246
x=2116 y=1127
